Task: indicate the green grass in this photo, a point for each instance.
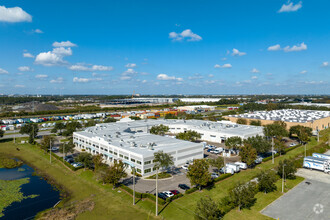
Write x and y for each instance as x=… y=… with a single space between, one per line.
x=161 y=175
x=81 y=185
x=10 y=191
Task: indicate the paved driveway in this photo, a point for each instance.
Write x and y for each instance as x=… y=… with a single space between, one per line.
x=149 y=186
x=308 y=200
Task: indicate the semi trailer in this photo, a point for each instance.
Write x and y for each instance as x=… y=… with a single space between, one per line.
x=317 y=163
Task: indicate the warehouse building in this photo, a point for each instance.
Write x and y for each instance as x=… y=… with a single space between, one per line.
x=131 y=142
x=317 y=120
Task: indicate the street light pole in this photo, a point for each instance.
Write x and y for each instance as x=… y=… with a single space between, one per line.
x=272 y=150
x=283 y=179
x=50 y=151
x=133 y=185
x=305 y=149
x=157 y=191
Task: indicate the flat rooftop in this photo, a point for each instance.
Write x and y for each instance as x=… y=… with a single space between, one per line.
x=288 y=115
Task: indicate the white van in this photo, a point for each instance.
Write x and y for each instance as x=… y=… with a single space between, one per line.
x=242 y=165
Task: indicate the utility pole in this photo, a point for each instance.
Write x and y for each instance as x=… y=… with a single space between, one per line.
x=63 y=151
x=157 y=191
x=305 y=149
x=50 y=151
x=133 y=185
x=318 y=136
x=272 y=149
x=283 y=178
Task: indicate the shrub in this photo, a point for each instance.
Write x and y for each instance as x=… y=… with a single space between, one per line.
x=189 y=191
x=222 y=177
x=170 y=199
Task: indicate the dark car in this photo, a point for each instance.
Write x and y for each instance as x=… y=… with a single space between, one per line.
x=162 y=196
x=184 y=186
x=175 y=192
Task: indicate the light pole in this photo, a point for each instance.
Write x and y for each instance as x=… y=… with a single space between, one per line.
x=272 y=149
x=283 y=178
x=305 y=149
x=50 y=151
x=318 y=135
x=157 y=191
x=133 y=185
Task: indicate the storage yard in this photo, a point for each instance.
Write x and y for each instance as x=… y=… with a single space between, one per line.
x=317 y=120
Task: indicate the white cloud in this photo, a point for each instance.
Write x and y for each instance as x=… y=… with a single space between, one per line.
x=41 y=76
x=324 y=64
x=303 y=72
x=19 y=86
x=298 y=47
x=49 y=59
x=254 y=77
x=166 y=77
x=2 y=71
x=211 y=75
x=64 y=44
x=209 y=81
x=224 y=58
x=227 y=65
x=289 y=7
x=125 y=77
x=274 y=47
x=101 y=68
x=61 y=51
x=24 y=68
x=254 y=70
x=237 y=53
x=144 y=81
x=186 y=34
x=38 y=31
x=15 y=14
x=195 y=76
x=28 y=55
x=81 y=80
x=130 y=65
x=79 y=68
x=57 y=80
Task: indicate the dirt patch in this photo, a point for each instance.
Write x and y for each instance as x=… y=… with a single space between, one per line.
x=70 y=211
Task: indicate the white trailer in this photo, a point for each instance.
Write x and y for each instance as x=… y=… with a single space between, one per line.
x=227 y=170
x=233 y=166
x=324 y=156
x=317 y=164
x=241 y=165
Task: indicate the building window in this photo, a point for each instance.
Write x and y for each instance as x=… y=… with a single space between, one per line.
x=115 y=153
x=133 y=160
x=213 y=136
x=147 y=162
x=147 y=170
x=126 y=157
x=138 y=170
x=153 y=169
x=111 y=152
x=120 y=155
x=138 y=162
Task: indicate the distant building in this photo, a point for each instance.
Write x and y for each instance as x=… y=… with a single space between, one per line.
x=199 y=100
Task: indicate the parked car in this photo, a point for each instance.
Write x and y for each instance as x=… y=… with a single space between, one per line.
x=77 y=164
x=185 y=167
x=214 y=175
x=162 y=196
x=54 y=149
x=292 y=144
x=208 y=150
x=258 y=160
x=168 y=193
x=175 y=192
x=184 y=186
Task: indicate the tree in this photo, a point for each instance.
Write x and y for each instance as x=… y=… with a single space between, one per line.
x=303 y=133
x=135 y=118
x=234 y=142
x=71 y=127
x=90 y=123
x=114 y=173
x=67 y=147
x=289 y=169
x=266 y=181
x=206 y=208
x=46 y=142
x=163 y=160
x=98 y=162
x=198 y=173
x=86 y=159
x=188 y=136
x=255 y=122
x=31 y=130
x=248 y=154
x=241 y=121
x=2 y=132
x=275 y=130
x=110 y=119
x=218 y=163
x=159 y=129
x=279 y=146
x=58 y=126
x=261 y=144
x=170 y=116
x=242 y=195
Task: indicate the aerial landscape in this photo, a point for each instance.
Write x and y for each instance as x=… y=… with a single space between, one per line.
x=164 y=110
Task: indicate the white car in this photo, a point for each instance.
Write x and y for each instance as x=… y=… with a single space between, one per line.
x=214 y=175
x=185 y=167
x=292 y=144
x=168 y=193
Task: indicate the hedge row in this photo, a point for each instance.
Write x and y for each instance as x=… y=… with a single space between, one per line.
x=277 y=154
x=142 y=195
x=191 y=190
x=222 y=177
x=66 y=163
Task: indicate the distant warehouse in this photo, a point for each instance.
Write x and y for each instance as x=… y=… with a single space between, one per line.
x=132 y=143
x=317 y=120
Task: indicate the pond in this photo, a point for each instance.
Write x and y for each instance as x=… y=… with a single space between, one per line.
x=45 y=195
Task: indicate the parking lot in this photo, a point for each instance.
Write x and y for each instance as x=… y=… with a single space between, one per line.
x=308 y=200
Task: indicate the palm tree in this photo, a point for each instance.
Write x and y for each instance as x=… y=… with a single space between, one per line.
x=162 y=160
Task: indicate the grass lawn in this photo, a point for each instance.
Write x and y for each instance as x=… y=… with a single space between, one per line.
x=81 y=185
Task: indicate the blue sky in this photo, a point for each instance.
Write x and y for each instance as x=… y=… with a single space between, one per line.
x=164 y=47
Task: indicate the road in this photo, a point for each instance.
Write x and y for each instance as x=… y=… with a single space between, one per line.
x=17 y=135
